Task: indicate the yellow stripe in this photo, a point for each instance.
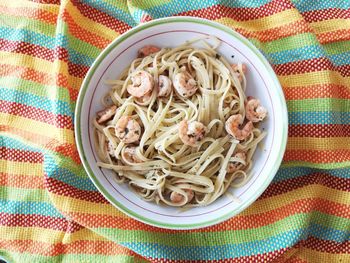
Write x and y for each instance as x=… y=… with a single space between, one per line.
x=41 y=128
x=11 y=167
x=330 y=25
x=72 y=205
x=41 y=235
x=318 y=143
x=40 y=65
x=265 y=23
x=90 y=25
x=29 y=4
x=310 y=255
x=306 y=192
x=313 y=78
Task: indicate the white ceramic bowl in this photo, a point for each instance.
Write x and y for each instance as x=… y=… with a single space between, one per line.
x=261 y=83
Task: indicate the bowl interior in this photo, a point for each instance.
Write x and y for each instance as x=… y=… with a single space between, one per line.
x=261 y=83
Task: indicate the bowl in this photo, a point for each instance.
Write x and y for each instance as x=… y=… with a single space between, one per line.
x=262 y=83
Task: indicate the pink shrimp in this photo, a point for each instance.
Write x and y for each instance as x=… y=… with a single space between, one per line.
x=106 y=114
x=147 y=50
x=192 y=132
x=176 y=197
x=234 y=166
x=142 y=84
x=254 y=111
x=127 y=129
x=233 y=124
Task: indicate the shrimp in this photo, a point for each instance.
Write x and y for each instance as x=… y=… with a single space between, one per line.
x=176 y=197
x=164 y=86
x=147 y=50
x=232 y=127
x=237 y=72
x=129 y=154
x=142 y=83
x=185 y=84
x=106 y=114
x=234 y=166
x=127 y=129
x=254 y=111
x=191 y=133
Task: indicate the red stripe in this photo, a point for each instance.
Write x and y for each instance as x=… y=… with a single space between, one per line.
x=238 y=222
x=57 y=187
x=35 y=220
x=101 y=17
x=264 y=257
x=74 y=247
x=34 y=50
x=33 y=75
x=326 y=14
x=314 y=156
x=240 y=13
x=83 y=34
x=319 y=130
x=77 y=70
x=16 y=155
x=327 y=246
x=310 y=65
x=292 y=184
x=317 y=91
x=334 y=36
x=60 y=121
x=21 y=181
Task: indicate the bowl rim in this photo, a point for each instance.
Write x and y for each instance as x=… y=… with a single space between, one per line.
x=86 y=82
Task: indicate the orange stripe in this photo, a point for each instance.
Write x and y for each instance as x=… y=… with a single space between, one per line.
x=317 y=91
x=313 y=156
x=276 y=33
x=238 y=222
x=37 y=14
x=21 y=181
x=334 y=36
x=84 y=35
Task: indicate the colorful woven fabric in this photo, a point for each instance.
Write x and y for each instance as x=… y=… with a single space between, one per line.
x=51 y=212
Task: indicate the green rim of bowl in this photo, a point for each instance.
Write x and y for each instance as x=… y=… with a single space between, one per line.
x=86 y=83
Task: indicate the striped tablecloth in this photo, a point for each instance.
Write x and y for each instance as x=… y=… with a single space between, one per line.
x=51 y=212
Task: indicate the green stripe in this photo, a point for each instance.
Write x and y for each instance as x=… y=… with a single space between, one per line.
x=68 y=258
x=35 y=88
x=29 y=24
x=118 y=4
x=335 y=165
x=23 y=194
x=294 y=222
x=287 y=43
x=291 y=223
x=324 y=104
x=335 y=48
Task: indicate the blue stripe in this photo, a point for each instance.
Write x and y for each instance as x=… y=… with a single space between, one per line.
x=56 y=107
x=64 y=175
x=318 y=117
x=32 y=37
x=285 y=173
x=47 y=42
x=113 y=11
x=274 y=243
x=340 y=59
x=307 y=5
x=178 y=6
x=327 y=233
x=28 y=208
x=292 y=55
x=9 y=142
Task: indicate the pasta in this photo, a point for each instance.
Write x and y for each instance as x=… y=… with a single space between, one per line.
x=177 y=126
